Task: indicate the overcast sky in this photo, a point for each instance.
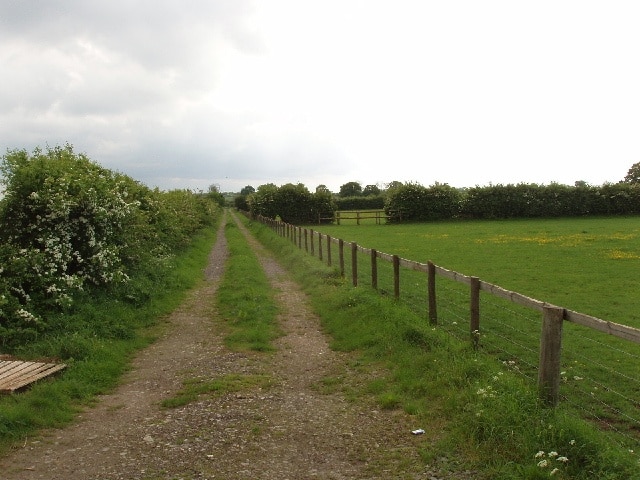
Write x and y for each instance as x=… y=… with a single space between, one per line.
x=185 y=94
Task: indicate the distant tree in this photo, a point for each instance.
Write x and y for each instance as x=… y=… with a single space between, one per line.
x=371 y=190
x=263 y=201
x=633 y=175
x=323 y=205
x=214 y=194
x=394 y=184
x=294 y=203
x=580 y=184
x=415 y=202
x=322 y=189
x=248 y=190
x=351 y=189
x=240 y=202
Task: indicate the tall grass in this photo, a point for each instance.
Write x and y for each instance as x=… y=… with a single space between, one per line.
x=477 y=411
x=96 y=340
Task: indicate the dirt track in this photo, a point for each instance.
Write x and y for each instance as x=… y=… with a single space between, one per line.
x=294 y=429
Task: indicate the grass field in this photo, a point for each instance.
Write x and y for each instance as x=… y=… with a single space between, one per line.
x=585 y=264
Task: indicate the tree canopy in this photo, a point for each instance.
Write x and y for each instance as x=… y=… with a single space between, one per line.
x=350 y=189
x=633 y=175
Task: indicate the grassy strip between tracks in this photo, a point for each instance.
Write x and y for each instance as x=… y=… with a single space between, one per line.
x=478 y=415
x=245 y=299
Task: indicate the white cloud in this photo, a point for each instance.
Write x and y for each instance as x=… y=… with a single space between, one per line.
x=185 y=94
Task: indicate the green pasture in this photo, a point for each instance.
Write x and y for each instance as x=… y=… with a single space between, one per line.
x=584 y=264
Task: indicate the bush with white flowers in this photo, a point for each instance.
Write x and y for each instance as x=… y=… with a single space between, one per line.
x=67 y=224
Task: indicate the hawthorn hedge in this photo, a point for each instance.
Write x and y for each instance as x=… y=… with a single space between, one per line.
x=68 y=225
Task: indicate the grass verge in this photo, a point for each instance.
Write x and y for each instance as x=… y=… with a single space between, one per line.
x=478 y=414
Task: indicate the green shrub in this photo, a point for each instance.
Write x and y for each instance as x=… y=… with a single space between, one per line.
x=291 y=203
x=68 y=225
x=375 y=202
x=413 y=202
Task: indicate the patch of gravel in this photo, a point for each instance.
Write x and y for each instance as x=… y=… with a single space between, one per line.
x=293 y=429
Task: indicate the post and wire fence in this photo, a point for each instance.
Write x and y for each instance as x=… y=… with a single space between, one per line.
x=588 y=363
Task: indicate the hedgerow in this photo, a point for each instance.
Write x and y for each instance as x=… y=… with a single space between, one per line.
x=414 y=202
x=67 y=225
x=292 y=203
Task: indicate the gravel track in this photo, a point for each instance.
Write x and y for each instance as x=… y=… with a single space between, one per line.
x=293 y=429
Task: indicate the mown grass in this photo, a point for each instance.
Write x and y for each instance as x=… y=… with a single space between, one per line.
x=245 y=299
x=97 y=340
x=584 y=264
x=477 y=411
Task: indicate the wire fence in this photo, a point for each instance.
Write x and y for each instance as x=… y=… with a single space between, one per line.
x=597 y=373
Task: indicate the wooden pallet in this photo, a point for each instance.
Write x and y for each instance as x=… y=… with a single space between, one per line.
x=16 y=374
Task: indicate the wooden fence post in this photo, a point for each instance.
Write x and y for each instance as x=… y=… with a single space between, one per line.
x=396 y=276
x=329 y=250
x=475 y=311
x=374 y=269
x=338 y=217
x=354 y=263
x=550 y=351
x=320 y=245
x=300 y=238
x=306 y=240
x=311 y=234
x=431 y=287
x=341 y=256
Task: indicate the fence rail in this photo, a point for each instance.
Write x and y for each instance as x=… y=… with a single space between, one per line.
x=549 y=362
x=358 y=215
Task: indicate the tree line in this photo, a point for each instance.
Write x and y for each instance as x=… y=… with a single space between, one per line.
x=411 y=201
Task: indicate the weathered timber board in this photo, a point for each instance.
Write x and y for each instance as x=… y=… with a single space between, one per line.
x=17 y=374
